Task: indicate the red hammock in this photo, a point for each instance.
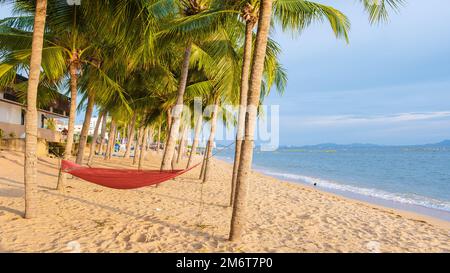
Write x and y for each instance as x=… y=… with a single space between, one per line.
x=120 y=178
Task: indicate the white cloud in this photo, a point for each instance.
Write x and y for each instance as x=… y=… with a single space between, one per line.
x=337 y=120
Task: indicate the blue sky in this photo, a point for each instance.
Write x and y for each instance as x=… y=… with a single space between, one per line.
x=390 y=85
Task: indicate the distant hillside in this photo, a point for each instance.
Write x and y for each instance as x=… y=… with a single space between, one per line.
x=334 y=146
x=445 y=143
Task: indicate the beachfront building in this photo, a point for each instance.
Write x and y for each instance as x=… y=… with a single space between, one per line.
x=78 y=127
x=12 y=115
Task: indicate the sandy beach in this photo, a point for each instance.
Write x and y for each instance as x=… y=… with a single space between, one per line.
x=282 y=216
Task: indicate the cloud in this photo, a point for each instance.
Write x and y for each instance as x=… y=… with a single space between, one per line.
x=338 y=120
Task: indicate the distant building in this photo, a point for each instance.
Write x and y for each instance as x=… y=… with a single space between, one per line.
x=78 y=127
x=12 y=114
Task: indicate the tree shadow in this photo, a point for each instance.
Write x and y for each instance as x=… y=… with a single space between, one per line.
x=21 y=165
x=21 y=184
x=13 y=211
x=139 y=217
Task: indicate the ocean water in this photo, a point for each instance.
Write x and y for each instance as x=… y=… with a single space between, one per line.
x=409 y=178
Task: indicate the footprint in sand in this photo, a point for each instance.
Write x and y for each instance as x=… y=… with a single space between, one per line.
x=139 y=237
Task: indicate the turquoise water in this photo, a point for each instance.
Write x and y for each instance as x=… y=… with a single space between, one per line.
x=411 y=178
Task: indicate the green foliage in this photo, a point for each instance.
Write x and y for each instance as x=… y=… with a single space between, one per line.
x=129 y=58
x=51 y=124
x=56 y=148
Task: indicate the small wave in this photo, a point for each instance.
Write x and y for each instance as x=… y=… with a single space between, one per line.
x=411 y=199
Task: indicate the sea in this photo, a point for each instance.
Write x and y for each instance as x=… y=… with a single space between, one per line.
x=411 y=178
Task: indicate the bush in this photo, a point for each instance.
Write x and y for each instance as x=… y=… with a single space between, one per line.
x=56 y=148
x=2 y=133
x=89 y=139
x=12 y=135
x=51 y=124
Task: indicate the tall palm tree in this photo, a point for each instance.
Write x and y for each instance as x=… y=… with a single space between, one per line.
x=195 y=18
x=292 y=14
x=130 y=136
x=30 y=166
x=85 y=129
x=238 y=217
x=377 y=11
x=100 y=119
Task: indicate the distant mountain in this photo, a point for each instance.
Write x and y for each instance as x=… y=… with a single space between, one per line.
x=445 y=143
x=333 y=146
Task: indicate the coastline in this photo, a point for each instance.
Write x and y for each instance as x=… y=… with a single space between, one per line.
x=418 y=211
x=405 y=213
x=184 y=215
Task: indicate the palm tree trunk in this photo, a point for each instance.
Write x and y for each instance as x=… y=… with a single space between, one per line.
x=112 y=147
x=131 y=133
x=243 y=103
x=174 y=129
x=142 y=154
x=158 y=144
x=169 y=125
x=137 y=149
x=30 y=167
x=149 y=138
x=245 y=164
x=95 y=137
x=198 y=129
x=202 y=169
x=73 y=105
x=103 y=133
x=182 y=144
x=212 y=135
x=112 y=129
x=85 y=129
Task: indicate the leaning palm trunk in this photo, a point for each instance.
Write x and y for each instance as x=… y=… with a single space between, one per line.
x=112 y=147
x=142 y=153
x=137 y=149
x=212 y=135
x=202 y=169
x=30 y=167
x=158 y=144
x=149 y=139
x=242 y=182
x=131 y=133
x=176 y=119
x=243 y=102
x=182 y=144
x=198 y=129
x=169 y=125
x=85 y=129
x=112 y=130
x=73 y=105
x=95 y=137
x=103 y=134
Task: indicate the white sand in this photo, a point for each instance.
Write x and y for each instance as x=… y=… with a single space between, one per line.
x=282 y=217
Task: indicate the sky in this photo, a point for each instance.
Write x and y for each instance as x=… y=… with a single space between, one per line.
x=389 y=85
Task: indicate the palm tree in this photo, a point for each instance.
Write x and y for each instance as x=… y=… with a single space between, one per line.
x=100 y=119
x=377 y=11
x=190 y=11
x=292 y=14
x=143 y=144
x=30 y=166
x=238 y=217
x=85 y=128
x=130 y=136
